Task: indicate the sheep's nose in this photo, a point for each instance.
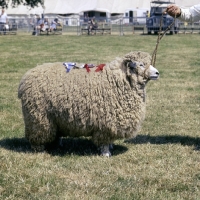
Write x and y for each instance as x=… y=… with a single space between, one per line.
x=157 y=73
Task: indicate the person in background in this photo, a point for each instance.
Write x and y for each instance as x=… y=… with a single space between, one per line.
x=147 y=14
x=3 y=20
x=46 y=24
x=191 y=14
x=53 y=24
x=92 y=25
x=38 y=24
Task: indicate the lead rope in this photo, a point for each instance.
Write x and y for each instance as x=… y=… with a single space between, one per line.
x=153 y=60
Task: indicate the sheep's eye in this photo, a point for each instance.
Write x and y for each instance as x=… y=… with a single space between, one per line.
x=132 y=65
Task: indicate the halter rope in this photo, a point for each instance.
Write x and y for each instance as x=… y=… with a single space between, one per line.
x=153 y=60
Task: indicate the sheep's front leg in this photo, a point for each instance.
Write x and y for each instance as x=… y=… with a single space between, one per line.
x=105 y=150
x=103 y=141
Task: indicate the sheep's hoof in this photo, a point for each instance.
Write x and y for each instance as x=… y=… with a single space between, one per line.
x=106 y=154
x=104 y=149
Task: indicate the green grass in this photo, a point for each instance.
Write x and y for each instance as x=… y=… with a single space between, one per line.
x=162 y=162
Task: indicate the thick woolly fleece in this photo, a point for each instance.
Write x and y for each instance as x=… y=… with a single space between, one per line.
x=106 y=105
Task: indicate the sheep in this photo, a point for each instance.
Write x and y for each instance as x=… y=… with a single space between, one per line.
x=106 y=105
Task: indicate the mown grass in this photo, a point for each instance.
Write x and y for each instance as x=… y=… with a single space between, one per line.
x=162 y=162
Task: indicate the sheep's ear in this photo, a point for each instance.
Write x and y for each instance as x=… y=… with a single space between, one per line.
x=132 y=65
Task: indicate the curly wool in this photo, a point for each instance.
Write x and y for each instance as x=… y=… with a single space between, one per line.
x=106 y=105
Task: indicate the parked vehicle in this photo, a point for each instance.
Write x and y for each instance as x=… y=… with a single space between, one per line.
x=156 y=13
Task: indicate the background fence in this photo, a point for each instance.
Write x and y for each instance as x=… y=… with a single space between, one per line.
x=118 y=26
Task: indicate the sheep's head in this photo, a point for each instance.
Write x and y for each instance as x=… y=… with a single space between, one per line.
x=148 y=73
x=138 y=67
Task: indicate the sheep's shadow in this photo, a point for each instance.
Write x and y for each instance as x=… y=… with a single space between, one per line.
x=85 y=147
x=70 y=146
x=166 y=139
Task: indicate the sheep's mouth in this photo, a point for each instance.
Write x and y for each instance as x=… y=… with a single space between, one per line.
x=154 y=78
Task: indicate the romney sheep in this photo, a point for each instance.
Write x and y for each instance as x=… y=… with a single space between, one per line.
x=106 y=105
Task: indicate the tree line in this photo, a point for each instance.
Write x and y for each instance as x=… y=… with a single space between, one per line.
x=15 y=3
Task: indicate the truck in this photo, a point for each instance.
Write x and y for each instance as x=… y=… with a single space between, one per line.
x=157 y=9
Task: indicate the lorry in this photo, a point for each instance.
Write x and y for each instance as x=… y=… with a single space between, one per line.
x=157 y=9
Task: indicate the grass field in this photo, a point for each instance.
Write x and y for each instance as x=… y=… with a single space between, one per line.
x=162 y=162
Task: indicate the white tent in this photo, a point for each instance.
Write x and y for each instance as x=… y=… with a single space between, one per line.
x=78 y=6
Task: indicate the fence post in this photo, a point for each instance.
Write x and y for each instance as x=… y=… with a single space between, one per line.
x=77 y=26
x=121 y=27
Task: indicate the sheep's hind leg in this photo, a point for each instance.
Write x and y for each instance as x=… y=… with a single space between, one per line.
x=41 y=135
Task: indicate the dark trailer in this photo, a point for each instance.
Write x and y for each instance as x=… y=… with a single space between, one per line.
x=156 y=12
